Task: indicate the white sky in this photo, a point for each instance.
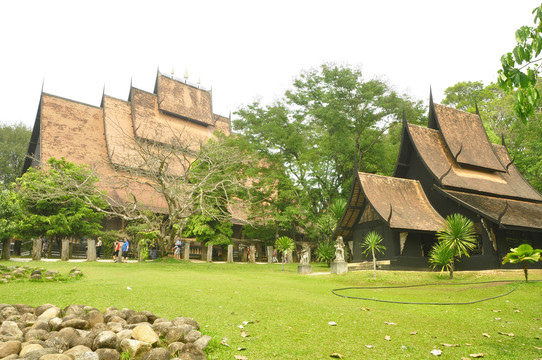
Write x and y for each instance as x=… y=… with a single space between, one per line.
x=244 y=49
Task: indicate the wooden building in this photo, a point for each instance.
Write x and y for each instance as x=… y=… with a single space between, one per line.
x=448 y=167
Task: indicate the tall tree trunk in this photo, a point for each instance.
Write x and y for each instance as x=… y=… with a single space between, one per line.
x=36 y=249
x=525 y=271
x=452 y=269
x=6 y=245
x=65 y=250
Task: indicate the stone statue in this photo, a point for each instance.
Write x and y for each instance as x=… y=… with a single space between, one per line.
x=304 y=256
x=339 y=249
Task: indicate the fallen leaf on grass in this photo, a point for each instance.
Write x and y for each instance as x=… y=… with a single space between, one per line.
x=516 y=311
x=497 y=310
x=365 y=309
x=538 y=348
x=224 y=343
x=241 y=348
x=486 y=335
x=464 y=358
x=387 y=337
x=336 y=356
x=369 y=346
x=244 y=334
x=414 y=333
x=450 y=345
x=240 y=357
x=332 y=323
x=390 y=323
x=436 y=352
x=480 y=355
x=497 y=319
x=507 y=334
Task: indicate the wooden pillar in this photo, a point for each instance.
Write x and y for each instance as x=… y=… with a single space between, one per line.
x=270 y=254
x=230 y=253
x=187 y=250
x=6 y=245
x=120 y=253
x=252 y=257
x=209 y=253
x=91 y=250
x=139 y=254
x=65 y=252
x=36 y=249
x=290 y=257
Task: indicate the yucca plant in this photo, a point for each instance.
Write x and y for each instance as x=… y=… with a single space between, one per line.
x=440 y=256
x=523 y=254
x=284 y=244
x=325 y=252
x=457 y=234
x=371 y=243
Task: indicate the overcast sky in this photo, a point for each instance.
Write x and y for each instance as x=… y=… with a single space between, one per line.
x=244 y=50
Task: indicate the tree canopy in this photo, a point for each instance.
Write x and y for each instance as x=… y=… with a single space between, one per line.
x=14 y=141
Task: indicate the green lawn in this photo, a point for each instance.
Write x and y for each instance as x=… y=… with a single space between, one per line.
x=288 y=314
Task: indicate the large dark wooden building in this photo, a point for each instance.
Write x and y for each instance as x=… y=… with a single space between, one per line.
x=448 y=167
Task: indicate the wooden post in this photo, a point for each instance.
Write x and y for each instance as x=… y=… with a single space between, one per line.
x=209 y=253
x=139 y=254
x=270 y=254
x=252 y=257
x=290 y=257
x=65 y=252
x=6 y=245
x=91 y=250
x=36 y=249
x=230 y=253
x=120 y=253
x=187 y=250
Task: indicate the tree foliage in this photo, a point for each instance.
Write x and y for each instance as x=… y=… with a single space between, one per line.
x=521 y=67
x=330 y=119
x=523 y=254
x=371 y=244
x=14 y=141
x=284 y=244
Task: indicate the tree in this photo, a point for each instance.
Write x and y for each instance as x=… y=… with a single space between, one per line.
x=283 y=245
x=371 y=243
x=10 y=216
x=331 y=119
x=523 y=254
x=14 y=141
x=440 y=255
x=59 y=201
x=520 y=68
x=208 y=230
x=459 y=236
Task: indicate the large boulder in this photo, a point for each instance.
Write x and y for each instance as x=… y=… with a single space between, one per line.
x=27 y=349
x=55 y=357
x=185 y=320
x=203 y=342
x=9 y=330
x=105 y=339
x=9 y=348
x=137 y=349
x=108 y=354
x=176 y=333
x=191 y=352
x=157 y=354
x=94 y=317
x=146 y=334
x=48 y=313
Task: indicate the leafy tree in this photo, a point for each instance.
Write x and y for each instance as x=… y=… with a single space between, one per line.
x=521 y=67
x=325 y=252
x=441 y=256
x=311 y=138
x=10 y=216
x=371 y=243
x=284 y=244
x=208 y=230
x=14 y=141
x=459 y=236
x=523 y=254
x=55 y=204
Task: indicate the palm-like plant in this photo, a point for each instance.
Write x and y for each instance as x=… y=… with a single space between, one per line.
x=325 y=252
x=371 y=243
x=457 y=234
x=284 y=244
x=524 y=254
x=440 y=256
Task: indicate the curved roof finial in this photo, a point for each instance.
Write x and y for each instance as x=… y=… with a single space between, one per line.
x=389 y=216
x=503 y=143
x=476 y=106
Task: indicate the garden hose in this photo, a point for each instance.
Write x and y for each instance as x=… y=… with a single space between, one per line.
x=335 y=292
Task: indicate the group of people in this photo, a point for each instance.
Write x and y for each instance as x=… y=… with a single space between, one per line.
x=125 y=246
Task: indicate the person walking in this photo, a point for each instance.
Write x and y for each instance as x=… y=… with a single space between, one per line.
x=116 y=251
x=125 y=248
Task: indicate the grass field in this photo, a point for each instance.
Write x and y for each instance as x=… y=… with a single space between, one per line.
x=287 y=315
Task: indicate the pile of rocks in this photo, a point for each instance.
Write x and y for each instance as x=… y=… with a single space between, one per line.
x=10 y=273
x=81 y=332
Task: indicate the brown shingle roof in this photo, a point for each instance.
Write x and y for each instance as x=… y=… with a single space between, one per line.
x=439 y=161
x=506 y=212
x=466 y=138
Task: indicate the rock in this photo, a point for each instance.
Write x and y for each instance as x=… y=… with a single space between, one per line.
x=157 y=354
x=162 y=327
x=185 y=320
x=191 y=352
x=36 y=272
x=108 y=354
x=36 y=355
x=116 y=318
x=115 y=326
x=49 y=313
x=9 y=348
x=124 y=334
x=75 y=323
x=24 y=309
x=203 y=342
x=127 y=313
x=175 y=348
x=69 y=334
x=10 y=357
x=150 y=316
x=77 y=310
x=9 y=311
x=84 y=341
x=41 y=325
x=77 y=349
x=35 y=276
x=41 y=309
x=94 y=317
x=28 y=319
x=137 y=318
x=137 y=349
x=28 y=349
x=192 y=336
x=87 y=355
x=176 y=333
x=36 y=334
x=146 y=334
x=57 y=341
x=11 y=331
x=108 y=314
x=105 y=339
x=55 y=357
x=54 y=323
